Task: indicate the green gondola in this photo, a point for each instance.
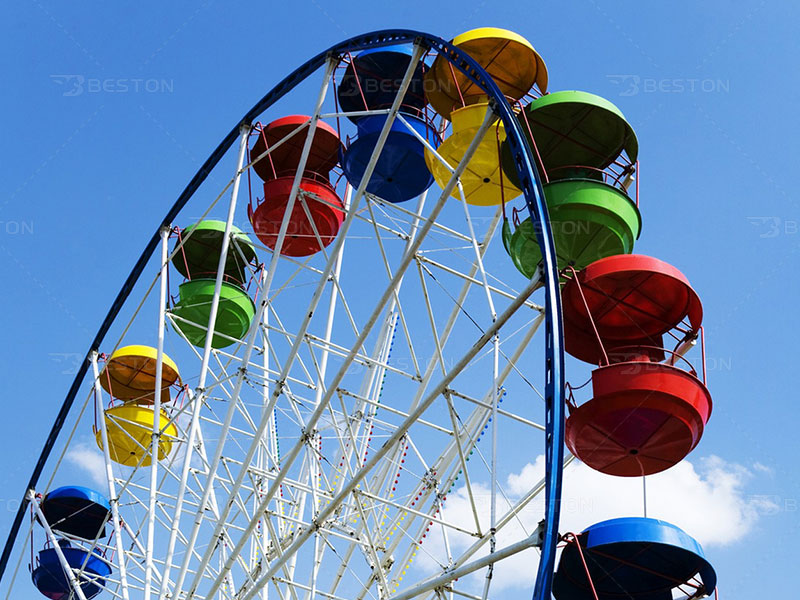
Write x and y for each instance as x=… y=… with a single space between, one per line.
x=198 y=256
x=197 y=260
x=587 y=151
x=234 y=316
x=590 y=220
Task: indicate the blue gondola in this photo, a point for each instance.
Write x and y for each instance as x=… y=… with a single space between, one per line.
x=371 y=82
x=51 y=580
x=373 y=77
x=77 y=511
x=633 y=558
x=400 y=173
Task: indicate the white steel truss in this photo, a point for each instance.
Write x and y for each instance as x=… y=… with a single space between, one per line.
x=314 y=457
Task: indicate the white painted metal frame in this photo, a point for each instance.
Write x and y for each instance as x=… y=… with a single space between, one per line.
x=292 y=520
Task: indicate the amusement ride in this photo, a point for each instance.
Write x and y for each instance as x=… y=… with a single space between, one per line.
x=344 y=370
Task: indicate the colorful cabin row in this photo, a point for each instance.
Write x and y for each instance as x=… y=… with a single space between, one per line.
x=50 y=579
x=317 y=212
x=196 y=257
x=586 y=152
x=648 y=408
x=130 y=428
x=634 y=558
x=371 y=82
x=130 y=375
x=516 y=68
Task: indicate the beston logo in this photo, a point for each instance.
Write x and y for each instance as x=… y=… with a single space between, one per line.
x=771 y=227
x=633 y=85
x=16 y=227
x=77 y=85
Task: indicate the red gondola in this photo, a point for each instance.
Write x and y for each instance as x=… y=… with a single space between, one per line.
x=631 y=300
x=322 y=205
x=643 y=418
x=318 y=211
x=285 y=158
x=648 y=407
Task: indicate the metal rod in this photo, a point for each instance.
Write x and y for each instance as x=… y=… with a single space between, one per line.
x=462 y=571
x=76 y=586
x=245 y=359
x=644 y=495
x=402 y=428
x=244 y=133
x=155 y=439
x=269 y=437
x=113 y=500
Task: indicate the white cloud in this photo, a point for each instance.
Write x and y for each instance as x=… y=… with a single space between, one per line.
x=762 y=468
x=708 y=499
x=88 y=458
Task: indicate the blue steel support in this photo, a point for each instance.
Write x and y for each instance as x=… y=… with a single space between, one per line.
x=534 y=196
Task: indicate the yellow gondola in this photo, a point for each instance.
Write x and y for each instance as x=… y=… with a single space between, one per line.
x=130 y=430
x=483 y=180
x=130 y=374
x=508 y=57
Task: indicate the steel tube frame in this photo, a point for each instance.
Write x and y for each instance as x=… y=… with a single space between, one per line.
x=534 y=196
x=113 y=500
x=155 y=438
x=387 y=295
x=401 y=429
x=252 y=336
x=315 y=299
x=244 y=132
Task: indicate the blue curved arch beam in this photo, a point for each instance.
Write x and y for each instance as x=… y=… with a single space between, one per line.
x=534 y=196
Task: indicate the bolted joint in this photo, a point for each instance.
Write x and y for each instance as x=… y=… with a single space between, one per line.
x=538 y=535
x=308 y=436
x=429 y=479
x=422 y=43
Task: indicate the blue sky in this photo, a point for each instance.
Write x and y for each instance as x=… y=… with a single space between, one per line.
x=90 y=165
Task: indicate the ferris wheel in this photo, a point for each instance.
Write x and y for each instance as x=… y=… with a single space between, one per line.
x=340 y=351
